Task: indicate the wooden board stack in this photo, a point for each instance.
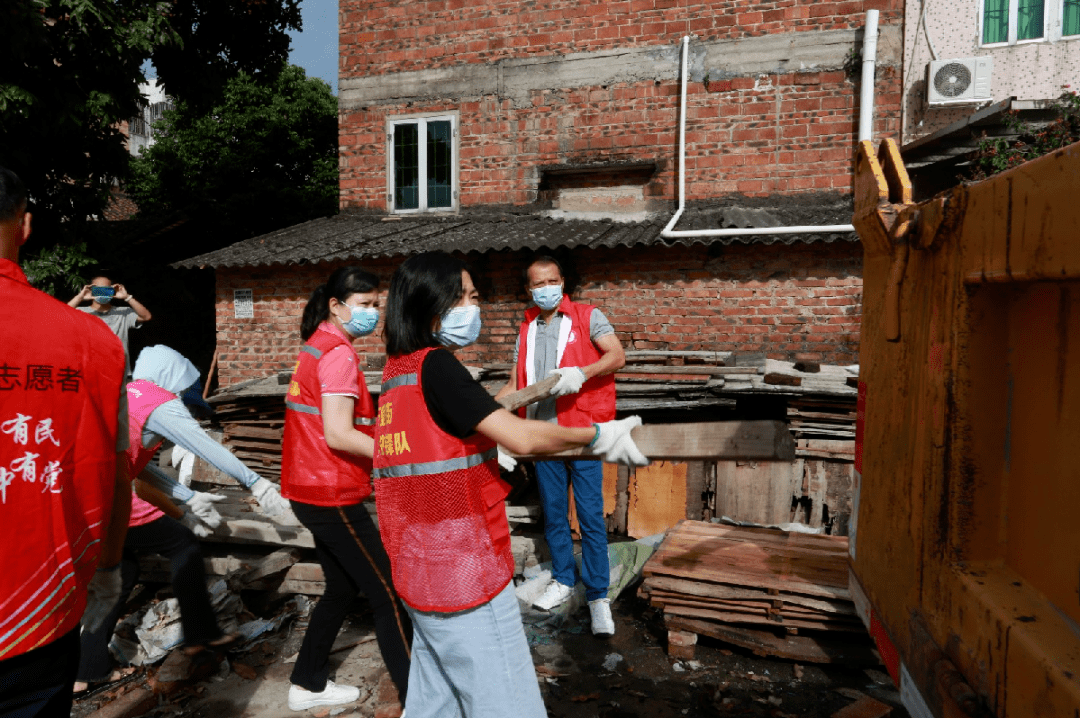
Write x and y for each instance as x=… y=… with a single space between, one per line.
x=759 y=588
x=823 y=426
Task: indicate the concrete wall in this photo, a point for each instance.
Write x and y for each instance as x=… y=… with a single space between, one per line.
x=778 y=299
x=1030 y=70
x=580 y=82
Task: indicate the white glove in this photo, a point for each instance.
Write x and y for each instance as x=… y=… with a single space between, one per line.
x=616 y=446
x=196 y=524
x=506 y=462
x=570 y=380
x=269 y=498
x=202 y=505
x=102 y=595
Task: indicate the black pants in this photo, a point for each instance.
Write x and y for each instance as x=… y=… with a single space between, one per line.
x=176 y=542
x=353 y=559
x=38 y=682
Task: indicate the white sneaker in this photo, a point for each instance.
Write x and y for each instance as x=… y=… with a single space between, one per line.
x=552 y=596
x=301 y=699
x=600 y=611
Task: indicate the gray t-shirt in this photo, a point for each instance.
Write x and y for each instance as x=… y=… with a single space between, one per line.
x=120 y=320
x=547 y=351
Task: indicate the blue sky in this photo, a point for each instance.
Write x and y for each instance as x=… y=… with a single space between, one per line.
x=316 y=48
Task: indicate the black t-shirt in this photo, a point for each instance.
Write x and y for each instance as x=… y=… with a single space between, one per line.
x=456 y=401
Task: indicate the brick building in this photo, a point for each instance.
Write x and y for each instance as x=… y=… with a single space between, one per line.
x=497 y=128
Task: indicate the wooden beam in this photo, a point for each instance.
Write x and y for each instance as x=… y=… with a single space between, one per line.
x=730 y=440
x=692 y=369
x=530 y=394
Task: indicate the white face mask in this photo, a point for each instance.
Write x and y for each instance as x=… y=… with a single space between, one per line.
x=460 y=326
x=549 y=297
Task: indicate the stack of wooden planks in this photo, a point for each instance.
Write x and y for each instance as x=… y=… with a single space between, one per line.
x=759 y=588
x=823 y=426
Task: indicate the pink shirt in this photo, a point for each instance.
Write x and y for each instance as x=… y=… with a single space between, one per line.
x=339 y=367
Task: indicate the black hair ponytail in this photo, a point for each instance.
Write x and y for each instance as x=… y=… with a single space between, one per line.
x=342 y=284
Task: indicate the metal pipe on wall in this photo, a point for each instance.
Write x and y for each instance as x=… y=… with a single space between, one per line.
x=866 y=111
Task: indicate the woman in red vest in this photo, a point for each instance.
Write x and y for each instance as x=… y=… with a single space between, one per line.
x=440 y=498
x=326 y=474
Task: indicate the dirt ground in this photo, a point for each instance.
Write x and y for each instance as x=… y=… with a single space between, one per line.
x=627 y=675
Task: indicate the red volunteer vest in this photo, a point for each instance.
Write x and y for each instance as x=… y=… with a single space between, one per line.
x=143 y=397
x=595 y=403
x=61 y=375
x=312 y=472
x=439 y=499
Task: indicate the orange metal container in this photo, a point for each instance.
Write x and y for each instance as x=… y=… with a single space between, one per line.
x=965 y=552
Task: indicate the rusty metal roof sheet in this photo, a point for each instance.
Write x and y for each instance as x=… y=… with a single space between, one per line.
x=356 y=235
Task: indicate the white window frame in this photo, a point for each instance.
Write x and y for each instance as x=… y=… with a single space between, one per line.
x=1053 y=16
x=422 y=119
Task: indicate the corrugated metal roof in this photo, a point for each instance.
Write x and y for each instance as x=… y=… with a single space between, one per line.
x=354 y=235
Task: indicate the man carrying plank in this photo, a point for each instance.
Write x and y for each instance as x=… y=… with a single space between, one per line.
x=575 y=342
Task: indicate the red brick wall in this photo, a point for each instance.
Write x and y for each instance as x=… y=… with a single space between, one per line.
x=778 y=299
x=385 y=36
x=753 y=135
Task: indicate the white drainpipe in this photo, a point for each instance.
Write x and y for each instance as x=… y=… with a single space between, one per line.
x=869 y=61
x=866 y=115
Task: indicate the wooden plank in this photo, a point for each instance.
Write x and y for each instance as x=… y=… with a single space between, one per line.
x=767 y=643
x=657 y=498
x=700 y=370
x=720 y=591
x=748 y=440
x=695 y=490
x=530 y=394
x=264 y=532
x=756 y=492
x=675 y=609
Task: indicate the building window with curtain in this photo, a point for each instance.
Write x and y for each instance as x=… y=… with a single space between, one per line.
x=1070 y=18
x=422 y=163
x=1012 y=21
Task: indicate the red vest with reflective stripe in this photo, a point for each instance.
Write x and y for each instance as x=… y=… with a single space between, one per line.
x=595 y=403
x=439 y=499
x=143 y=397
x=312 y=472
x=61 y=374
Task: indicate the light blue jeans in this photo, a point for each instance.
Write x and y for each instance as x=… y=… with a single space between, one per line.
x=553 y=479
x=473 y=664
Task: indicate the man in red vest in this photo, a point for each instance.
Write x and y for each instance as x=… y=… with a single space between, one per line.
x=576 y=342
x=64 y=496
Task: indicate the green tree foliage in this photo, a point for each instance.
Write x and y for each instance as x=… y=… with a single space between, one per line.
x=1000 y=154
x=69 y=74
x=220 y=39
x=59 y=270
x=261 y=158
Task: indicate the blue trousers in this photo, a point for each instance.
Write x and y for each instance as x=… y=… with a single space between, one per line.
x=554 y=479
x=473 y=664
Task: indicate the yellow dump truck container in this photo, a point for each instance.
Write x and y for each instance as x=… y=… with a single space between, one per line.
x=965 y=548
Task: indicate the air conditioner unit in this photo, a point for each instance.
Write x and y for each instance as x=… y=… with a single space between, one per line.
x=958 y=81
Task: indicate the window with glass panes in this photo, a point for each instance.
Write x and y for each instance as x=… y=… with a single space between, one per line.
x=1070 y=17
x=423 y=163
x=1014 y=20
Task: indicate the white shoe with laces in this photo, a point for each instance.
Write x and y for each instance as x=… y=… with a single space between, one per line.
x=602 y=623
x=301 y=699
x=555 y=594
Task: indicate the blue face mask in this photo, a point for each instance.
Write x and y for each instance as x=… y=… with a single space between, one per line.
x=460 y=326
x=549 y=297
x=363 y=321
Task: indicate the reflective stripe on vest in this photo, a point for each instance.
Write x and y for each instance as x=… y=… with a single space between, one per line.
x=312 y=351
x=400 y=380
x=434 y=467
x=305 y=409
